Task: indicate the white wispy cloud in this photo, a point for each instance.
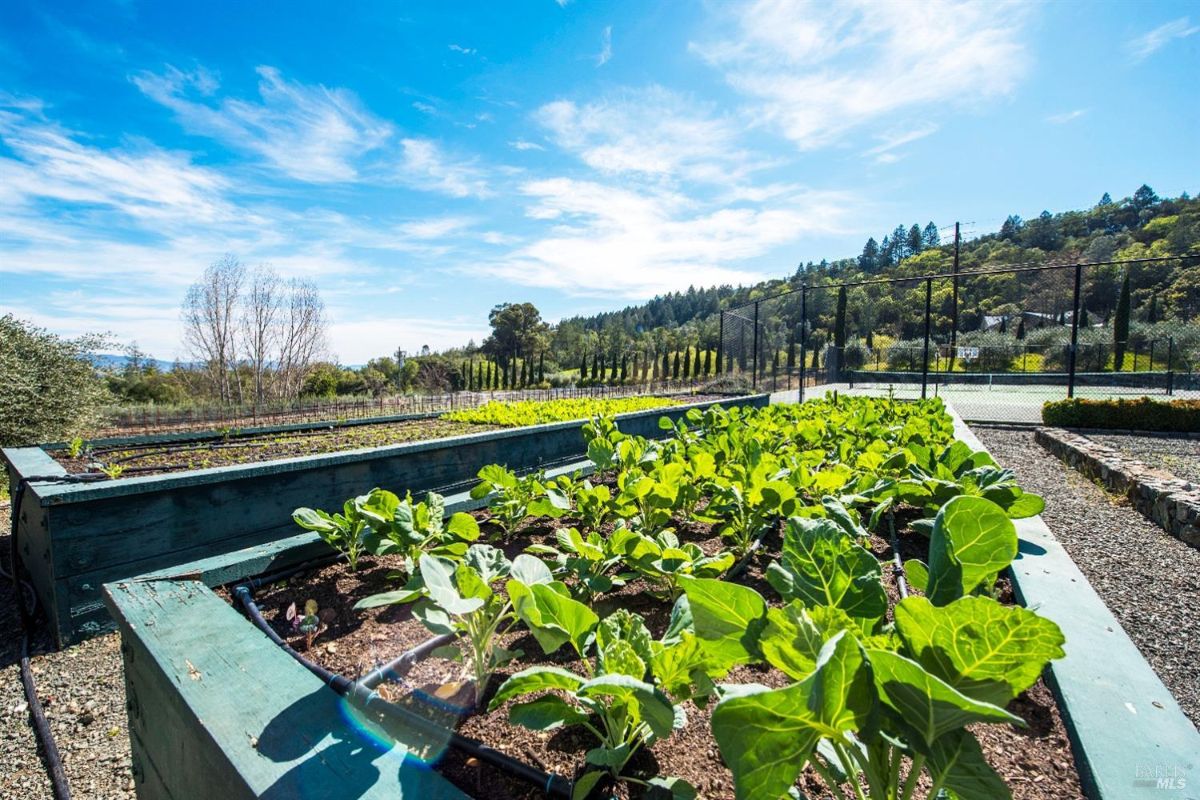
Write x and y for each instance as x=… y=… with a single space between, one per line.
x=308 y=132
x=140 y=180
x=424 y=165
x=611 y=240
x=1144 y=46
x=521 y=144
x=466 y=51
x=816 y=70
x=605 y=47
x=1066 y=116
x=890 y=141
x=653 y=132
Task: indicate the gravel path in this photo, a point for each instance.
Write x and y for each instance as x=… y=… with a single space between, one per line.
x=1149 y=579
x=83 y=691
x=1178 y=456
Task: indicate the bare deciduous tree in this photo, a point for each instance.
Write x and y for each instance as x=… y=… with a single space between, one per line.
x=210 y=322
x=238 y=323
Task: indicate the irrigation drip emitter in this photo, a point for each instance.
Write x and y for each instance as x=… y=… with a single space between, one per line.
x=364 y=695
x=53 y=759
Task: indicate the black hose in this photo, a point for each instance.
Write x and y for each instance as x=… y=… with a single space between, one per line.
x=897 y=562
x=552 y=784
x=41 y=726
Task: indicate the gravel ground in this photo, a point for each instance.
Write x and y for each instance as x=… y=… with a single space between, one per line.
x=83 y=692
x=1177 y=455
x=1149 y=579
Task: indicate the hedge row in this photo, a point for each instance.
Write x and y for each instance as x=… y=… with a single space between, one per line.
x=1141 y=414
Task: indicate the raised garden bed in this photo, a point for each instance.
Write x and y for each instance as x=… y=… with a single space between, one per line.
x=73 y=537
x=1114 y=764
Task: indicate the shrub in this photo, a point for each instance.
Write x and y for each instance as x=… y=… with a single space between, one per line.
x=1141 y=414
x=905 y=355
x=996 y=350
x=49 y=390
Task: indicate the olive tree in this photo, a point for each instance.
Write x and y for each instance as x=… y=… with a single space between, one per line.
x=49 y=389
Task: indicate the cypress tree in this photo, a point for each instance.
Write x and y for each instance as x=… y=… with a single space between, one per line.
x=1121 y=326
x=666 y=367
x=839 y=323
x=613 y=376
x=542 y=367
x=1152 y=312
x=1083 y=318
x=583 y=368
x=791 y=354
x=720 y=356
x=675 y=371
x=596 y=365
x=696 y=365
x=816 y=362
x=687 y=363
x=870 y=339
x=624 y=365
x=707 y=362
x=1021 y=328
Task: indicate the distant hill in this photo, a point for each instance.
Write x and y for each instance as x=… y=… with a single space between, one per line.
x=118 y=361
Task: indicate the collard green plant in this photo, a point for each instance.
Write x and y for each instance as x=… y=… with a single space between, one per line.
x=593 y=563
x=972 y=541
x=515 y=498
x=409 y=529
x=343 y=532
x=458 y=598
x=631 y=691
x=865 y=707
x=663 y=561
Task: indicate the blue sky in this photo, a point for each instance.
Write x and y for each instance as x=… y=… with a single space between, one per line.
x=423 y=162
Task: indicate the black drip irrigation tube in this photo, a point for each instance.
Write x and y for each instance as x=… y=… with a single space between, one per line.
x=897 y=562
x=363 y=693
x=53 y=759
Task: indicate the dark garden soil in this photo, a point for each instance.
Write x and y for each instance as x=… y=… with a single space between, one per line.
x=160 y=458
x=1035 y=761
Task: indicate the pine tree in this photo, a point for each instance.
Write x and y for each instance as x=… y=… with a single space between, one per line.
x=1121 y=326
x=1105 y=200
x=887 y=253
x=869 y=260
x=915 y=240
x=930 y=237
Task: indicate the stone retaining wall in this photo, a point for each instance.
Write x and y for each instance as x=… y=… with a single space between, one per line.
x=1172 y=503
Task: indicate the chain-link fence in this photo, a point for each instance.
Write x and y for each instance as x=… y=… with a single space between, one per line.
x=996 y=341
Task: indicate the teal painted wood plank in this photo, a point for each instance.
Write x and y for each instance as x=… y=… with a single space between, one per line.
x=220 y=711
x=1126 y=727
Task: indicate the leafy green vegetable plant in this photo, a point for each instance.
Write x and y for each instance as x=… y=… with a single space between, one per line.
x=593 y=563
x=972 y=541
x=663 y=560
x=515 y=498
x=866 y=710
x=617 y=700
x=411 y=529
x=458 y=598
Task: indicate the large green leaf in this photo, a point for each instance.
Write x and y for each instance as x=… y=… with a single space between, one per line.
x=928 y=705
x=972 y=541
x=727 y=618
x=545 y=713
x=535 y=679
x=463 y=526
x=979 y=646
x=823 y=566
x=958 y=761
x=442 y=589
x=552 y=617
x=767 y=737
x=794 y=636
